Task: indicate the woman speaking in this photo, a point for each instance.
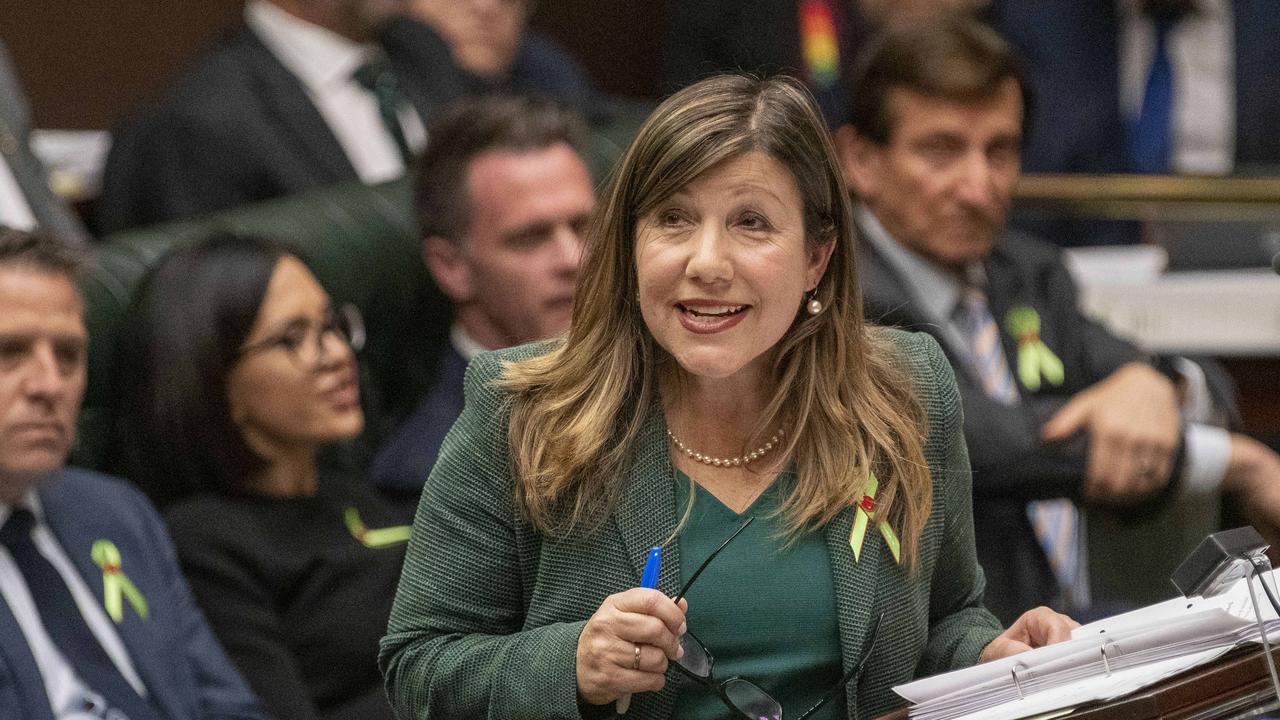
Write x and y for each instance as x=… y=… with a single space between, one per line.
x=718 y=395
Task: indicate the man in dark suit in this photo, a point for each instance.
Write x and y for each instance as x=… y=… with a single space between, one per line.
x=1056 y=407
x=1075 y=52
x=1089 y=66
x=96 y=619
x=299 y=96
x=25 y=197
x=502 y=197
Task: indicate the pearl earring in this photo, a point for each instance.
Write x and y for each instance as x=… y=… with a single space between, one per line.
x=814 y=306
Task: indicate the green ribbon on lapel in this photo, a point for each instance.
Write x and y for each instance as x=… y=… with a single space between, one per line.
x=1035 y=359
x=862 y=516
x=379 y=538
x=115 y=584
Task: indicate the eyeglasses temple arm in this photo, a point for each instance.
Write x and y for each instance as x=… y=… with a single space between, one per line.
x=853 y=671
x=711 y=557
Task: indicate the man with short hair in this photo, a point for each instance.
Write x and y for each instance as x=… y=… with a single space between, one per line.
x=1056 y=407
x=96 y=619
x=502 y=198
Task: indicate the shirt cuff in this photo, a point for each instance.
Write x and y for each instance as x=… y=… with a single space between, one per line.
x=1208 y=452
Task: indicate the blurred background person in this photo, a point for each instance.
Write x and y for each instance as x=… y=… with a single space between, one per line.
x=1144 y=86
x=932 y=155
x=236 y=371
x=1149 y=86
x=501 y=198
x=299 y=95
x=491 y=41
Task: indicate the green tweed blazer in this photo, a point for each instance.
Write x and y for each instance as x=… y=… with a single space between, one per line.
x=488 y=613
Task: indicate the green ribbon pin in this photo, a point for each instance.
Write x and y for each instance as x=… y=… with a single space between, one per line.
x=862 y=517
x=379 y=538
x=115 y=583
x=1035 y=359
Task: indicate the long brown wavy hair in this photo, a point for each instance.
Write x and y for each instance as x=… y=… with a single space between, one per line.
x=845 y=398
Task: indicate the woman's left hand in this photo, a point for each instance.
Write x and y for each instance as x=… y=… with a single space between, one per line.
x=1038 y=627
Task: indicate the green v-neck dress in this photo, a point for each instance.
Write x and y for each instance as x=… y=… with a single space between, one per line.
x=766 y=613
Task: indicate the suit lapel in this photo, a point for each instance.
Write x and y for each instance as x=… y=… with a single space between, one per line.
x=857 y=585
x=284 y=98
x=647 y=514
x=17 y=661
x=76 y=530
x=645 y=517
x=1005 y=290
x=889 y=302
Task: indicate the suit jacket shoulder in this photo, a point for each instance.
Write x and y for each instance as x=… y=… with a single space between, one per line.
x=169 y=642
x=236 y=128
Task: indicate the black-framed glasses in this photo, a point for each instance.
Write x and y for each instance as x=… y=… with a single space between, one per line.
x=738 y=694
x=304 y=341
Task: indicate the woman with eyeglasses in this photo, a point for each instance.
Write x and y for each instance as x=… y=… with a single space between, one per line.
x=718 y=383
x=236 y=370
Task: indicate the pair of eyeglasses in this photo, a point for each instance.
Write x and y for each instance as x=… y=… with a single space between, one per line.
x=304 y=341
x=740 y=695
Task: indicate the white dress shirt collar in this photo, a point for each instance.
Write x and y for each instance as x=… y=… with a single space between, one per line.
x=466 y=345
x=317 y=56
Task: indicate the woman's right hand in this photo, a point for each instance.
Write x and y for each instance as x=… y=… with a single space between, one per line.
x=606 y=658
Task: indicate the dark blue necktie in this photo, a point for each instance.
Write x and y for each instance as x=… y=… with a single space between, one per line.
x=1150 y=136
x=62 y=620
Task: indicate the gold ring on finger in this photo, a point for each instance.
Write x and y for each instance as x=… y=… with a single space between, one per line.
x=635 y=664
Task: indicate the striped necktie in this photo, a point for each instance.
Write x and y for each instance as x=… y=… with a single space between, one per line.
x=1056 y=522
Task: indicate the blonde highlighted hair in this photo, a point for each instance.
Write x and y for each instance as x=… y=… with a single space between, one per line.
x=844 y=398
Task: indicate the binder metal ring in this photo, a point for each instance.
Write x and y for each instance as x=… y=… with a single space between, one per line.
x=1016 y=682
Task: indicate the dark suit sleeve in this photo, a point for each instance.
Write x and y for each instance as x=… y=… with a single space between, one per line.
x=167 y=166
x=222 y=692
x=1009 y=458
x=959 y=626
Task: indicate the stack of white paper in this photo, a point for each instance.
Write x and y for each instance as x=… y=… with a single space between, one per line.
x=1102 y=661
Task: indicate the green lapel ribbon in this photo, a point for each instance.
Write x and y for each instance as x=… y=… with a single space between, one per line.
x=1035 y=359
x=379 y=538
x=862 y=516
x=115 y=583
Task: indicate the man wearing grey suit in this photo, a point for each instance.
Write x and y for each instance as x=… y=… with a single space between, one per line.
x=1056 y=407
x=25 y=198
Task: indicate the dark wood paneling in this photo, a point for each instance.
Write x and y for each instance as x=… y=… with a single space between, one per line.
x=86 y=64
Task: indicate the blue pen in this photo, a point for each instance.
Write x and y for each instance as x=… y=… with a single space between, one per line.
x=652 y=566
x=648 y=579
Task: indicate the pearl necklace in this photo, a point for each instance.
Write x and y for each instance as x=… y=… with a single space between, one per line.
x=727 y=462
